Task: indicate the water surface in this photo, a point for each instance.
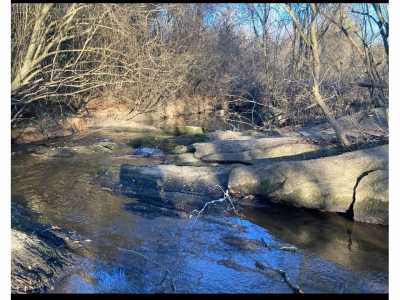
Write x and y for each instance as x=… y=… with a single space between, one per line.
x=128 y=250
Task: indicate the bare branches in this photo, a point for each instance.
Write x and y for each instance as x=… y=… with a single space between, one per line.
x=313 y=42
x=260 y=69
x=226 y=199
x=73 y=50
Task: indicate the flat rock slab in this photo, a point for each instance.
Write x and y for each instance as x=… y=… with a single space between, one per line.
x=179 y=186
x=232 y=146
x=250 y=149
x=325 y=183
x=248 y=157
x=235 y=135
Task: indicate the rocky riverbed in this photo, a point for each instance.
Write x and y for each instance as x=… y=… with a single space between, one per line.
x=127 y=210
x=292 y=168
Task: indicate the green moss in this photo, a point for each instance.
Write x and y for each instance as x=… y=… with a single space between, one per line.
x=189 y=130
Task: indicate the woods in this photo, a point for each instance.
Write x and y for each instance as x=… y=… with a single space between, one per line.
x=266 y=65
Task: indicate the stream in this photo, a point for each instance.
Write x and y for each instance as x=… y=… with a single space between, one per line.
x=126 y=249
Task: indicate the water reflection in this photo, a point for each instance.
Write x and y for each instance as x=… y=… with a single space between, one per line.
x=146 y=251
x=355 y=246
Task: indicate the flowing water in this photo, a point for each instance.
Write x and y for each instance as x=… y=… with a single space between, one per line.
x=128 y=250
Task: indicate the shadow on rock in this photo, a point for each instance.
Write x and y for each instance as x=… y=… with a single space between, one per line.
x=39 y=253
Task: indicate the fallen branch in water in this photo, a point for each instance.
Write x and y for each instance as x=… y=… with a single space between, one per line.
x=295 y=288
x=262 y=269
x=226 y=198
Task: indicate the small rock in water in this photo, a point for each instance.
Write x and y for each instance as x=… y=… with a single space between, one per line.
x=243 y=243
x=147 y=152
x=288 y=248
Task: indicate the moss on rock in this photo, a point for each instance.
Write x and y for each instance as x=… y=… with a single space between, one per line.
x=189 y=130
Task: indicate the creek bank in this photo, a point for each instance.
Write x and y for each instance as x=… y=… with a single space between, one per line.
x=40 y=254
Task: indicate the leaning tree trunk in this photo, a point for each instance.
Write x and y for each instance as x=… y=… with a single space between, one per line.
x=316 y=70
x=29 y=64
x=312 y=42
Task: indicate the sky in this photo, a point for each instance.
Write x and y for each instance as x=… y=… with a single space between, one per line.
x=240 y=17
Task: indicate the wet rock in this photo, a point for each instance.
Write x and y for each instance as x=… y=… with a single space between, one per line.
x=372 y=198
x=189 y=130
x=172 y=178
x=147 y=152
x=175 y=185
x=243 y=243
x=326 y=183
x=231 y=264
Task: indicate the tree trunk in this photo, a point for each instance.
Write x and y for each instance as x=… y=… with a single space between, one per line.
x=316 y=67
x=28 y=64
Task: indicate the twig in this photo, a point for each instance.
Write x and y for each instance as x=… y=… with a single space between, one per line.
x=295 y=288
x=226 y=197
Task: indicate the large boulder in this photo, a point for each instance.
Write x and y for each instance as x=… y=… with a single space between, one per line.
x=326 y=184
x=371 y=198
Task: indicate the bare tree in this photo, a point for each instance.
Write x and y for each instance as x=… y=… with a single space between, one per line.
x=65 y=55
x=260 y=65
x=312 y=41
x=359 y=42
